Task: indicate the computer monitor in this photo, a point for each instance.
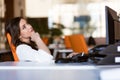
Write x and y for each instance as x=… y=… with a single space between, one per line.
x=112 y=26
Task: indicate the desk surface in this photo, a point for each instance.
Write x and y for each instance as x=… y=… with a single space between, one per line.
x=51 y=65
x=38 y=71
x=52 y=71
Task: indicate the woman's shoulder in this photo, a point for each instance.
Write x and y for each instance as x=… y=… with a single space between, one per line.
x=23 y=46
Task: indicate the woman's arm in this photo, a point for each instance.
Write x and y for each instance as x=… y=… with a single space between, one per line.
x=40 y=44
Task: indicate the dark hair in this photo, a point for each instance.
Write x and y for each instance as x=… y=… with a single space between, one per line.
x=91 y=41
x=12 y=27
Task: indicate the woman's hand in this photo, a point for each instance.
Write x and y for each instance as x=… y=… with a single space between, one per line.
x=35 y=37
x=72 y=54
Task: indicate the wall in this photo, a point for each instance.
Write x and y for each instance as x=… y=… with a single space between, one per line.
x=19 y=8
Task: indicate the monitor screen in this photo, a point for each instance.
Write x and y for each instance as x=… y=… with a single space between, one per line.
x=112 y=26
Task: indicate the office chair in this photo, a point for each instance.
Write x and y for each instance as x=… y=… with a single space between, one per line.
x=78 y=43
x=12 y=47
x=67 y=42
x=45 y=40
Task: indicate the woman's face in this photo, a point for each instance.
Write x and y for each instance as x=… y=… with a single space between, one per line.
x=25 y=29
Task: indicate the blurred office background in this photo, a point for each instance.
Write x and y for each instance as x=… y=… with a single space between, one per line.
x=59 y=17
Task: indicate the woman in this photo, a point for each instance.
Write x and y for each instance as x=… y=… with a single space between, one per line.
x=29 y=45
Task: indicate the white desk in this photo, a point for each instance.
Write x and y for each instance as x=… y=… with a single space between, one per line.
x=37 y=71
x=62 y=51
x=109 y=72
x=59 y=49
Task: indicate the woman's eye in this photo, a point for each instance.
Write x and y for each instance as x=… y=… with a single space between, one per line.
x=24 y=26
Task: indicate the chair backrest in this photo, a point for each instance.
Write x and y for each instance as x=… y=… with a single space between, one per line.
x=13 y=48
x=45 y=40
x=67 y=42
x=78 y=43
